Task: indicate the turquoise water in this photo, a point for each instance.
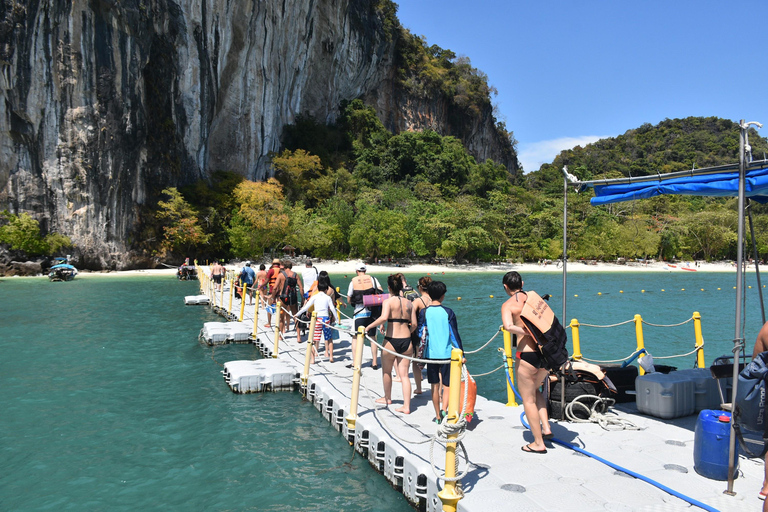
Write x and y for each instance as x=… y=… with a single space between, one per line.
x=479 y=316
x=109 y=403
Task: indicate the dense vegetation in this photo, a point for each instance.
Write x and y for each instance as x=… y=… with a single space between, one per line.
x=355 y=190
x=21 y=233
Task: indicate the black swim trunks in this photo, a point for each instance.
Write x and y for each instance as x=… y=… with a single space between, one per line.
x=532 y=358
x=401 y=345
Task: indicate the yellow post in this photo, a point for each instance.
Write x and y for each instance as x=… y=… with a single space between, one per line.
x=276 y=321
x=640 y=340
x=308 y=356
x=699 y=340
x=243 y=288
x=256 y=315
x=231 y=297
x=511 y=402
x=223 y=281
x=448 y=495
x=576 y=339
x=338 y=307
x=358 y=358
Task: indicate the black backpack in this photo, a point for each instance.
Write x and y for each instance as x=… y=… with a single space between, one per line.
x=289 y=287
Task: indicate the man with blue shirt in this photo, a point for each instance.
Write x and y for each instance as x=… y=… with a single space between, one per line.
x=248 y=277
x=442 y=336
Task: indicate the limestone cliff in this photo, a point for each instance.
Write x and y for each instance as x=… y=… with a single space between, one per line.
x=107 y=102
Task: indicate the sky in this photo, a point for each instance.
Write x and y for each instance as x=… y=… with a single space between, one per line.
x=571 y=72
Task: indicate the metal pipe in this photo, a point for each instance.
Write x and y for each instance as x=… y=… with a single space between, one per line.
x=576 y=339
x=278 y=313
x=565 y=238
x=758 y=164
x=699 y=340
x=358 y=361
x=308 y=355
x=737 y=336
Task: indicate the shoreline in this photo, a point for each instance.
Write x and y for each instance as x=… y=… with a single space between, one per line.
x=348 y=267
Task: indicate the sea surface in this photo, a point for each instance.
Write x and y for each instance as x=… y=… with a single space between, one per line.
x=108 y=401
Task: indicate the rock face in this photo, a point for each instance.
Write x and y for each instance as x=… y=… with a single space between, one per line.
x=107 y=102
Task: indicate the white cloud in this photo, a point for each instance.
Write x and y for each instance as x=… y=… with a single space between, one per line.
x=534 y=154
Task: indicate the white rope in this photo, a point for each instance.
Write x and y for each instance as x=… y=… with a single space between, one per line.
x=670 y=325
x=490 y=372
x=679 y=355
x=613 y=360
x=486 y=344
x=597 y=413
x=416 y=359
x=607 y=326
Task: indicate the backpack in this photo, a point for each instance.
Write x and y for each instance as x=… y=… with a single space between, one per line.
x=546 y=329
x=289 y=287
x=749 y=404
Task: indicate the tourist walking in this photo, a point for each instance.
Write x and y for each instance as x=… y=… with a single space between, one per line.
x=217 y=273
x=286 y=286
x=531 y=371
x=396 y=311
x=247 y=277
x=326 y=316
x=442 y=335
x=272 y=274
x=419 y=304
x=362 y=285
x=309 y=275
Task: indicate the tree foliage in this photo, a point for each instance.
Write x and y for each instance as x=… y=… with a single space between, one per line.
x=22 y=233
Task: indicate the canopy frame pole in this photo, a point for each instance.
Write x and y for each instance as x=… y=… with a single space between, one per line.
x=565 y=240
x=738 y=341
x=755 y=256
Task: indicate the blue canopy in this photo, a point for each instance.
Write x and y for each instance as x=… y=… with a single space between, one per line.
x=724 y=184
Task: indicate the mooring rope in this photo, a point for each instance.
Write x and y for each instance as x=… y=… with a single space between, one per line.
x=486 y=344
x=475 y=375
x=597 y=413
x=607 y=326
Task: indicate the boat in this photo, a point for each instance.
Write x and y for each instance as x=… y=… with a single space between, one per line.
x=62 y=270
x=187 y=273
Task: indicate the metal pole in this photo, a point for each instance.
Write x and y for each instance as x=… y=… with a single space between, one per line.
x=757 y=265
x=565 y=238
x=737 y=337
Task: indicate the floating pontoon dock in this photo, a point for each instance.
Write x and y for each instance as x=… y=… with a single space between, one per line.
x=500 y=477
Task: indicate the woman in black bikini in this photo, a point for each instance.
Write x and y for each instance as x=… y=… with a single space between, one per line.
x=531 y=372
x=396 y=311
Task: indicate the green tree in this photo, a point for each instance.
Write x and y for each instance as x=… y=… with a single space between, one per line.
x=22 y=233
x=181 y=229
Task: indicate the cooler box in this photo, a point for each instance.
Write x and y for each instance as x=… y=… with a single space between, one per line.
x=710 y=444
x=665 y=396
x=707 y=396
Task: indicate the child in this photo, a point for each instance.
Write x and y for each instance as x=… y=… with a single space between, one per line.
x=442 y=336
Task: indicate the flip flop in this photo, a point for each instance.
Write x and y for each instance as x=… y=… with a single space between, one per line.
x=527 y=449
x=762 y=495
x=547 y=437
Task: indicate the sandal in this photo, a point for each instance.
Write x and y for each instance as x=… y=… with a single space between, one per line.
x=527 y=449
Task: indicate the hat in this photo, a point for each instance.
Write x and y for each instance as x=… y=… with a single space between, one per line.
x=276 y=261
x=247 y=263
x=361 y=268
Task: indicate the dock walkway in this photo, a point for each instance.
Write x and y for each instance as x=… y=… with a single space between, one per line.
x=501 y=476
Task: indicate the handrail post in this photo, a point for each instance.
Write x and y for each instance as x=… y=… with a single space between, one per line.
x=448 y=495
x=510 y=363
x=231 y=297
x=243 y=289
x=640 y=339
x=308 y=356
x=699 y=340
x=576 y=339
x=256 y=314
x=358 y=355
x=338 y=306
x=223 y=282
x=278 y=312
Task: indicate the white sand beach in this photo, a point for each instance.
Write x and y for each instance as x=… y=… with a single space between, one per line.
x=348 y=268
